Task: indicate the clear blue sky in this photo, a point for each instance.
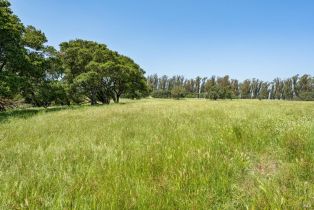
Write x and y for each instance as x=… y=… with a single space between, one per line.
x=242 y=38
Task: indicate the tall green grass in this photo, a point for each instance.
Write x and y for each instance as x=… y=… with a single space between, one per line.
x=160 y=154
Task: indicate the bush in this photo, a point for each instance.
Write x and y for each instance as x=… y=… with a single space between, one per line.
x=178 y=92
x=212 y=94
x=307 y=96
x=161 y=94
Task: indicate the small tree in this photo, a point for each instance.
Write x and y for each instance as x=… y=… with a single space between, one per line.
x=213 y=95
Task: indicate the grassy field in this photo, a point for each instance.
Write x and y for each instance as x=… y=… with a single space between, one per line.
x=159 y=154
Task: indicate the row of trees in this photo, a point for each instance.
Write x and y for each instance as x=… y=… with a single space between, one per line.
x=294 y=88
x=40 y=75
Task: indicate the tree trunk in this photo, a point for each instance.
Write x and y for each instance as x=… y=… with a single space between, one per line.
x=103 y=97
x=93 y=98
x=116 y=97
x=106 y=101
x=93 y=101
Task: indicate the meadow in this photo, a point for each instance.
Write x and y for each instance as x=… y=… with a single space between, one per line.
x=159 y=154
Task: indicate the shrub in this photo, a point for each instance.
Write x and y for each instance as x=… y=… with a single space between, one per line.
x=177 y=92
x=307 y=96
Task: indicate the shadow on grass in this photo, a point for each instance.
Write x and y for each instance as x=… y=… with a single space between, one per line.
x=30 y=112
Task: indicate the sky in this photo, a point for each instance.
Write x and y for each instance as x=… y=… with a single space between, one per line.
x=242 y=38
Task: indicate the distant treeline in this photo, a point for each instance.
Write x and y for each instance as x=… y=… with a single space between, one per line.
x=294 y=88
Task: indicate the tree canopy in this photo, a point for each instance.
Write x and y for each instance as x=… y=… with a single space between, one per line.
x=40 y=75
x=99 y=73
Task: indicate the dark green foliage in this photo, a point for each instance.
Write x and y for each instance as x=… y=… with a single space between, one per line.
x=11 y=30
x=214 y=93
x=47 y=93
x=40 y=86
x=94 y=71
x=76 y=55
x=11 y=50
x=43 y=76
x=224 y=87
x=87 y=84
x=9 y=84
x=29 y=68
